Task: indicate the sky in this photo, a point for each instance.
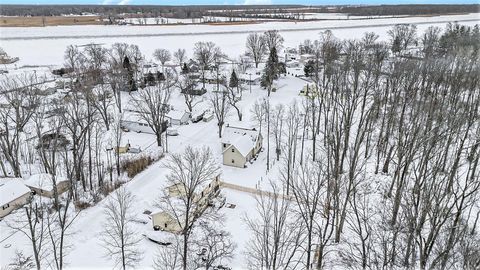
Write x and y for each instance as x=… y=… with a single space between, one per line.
x=237 y=2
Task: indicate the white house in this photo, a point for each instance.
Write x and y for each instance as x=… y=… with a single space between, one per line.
x=304 y=58
x=13 y=195
x=164 y=221
x=251 y=76
x=178 y=117
x=240 y=145
x=42 y=184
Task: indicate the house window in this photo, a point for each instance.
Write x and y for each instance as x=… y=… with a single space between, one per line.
x=233 y=161
x=5 y=206
x=233 y=150
x=165 y=225
x=224 y=145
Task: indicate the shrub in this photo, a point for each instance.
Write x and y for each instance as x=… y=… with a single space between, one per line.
x=135 y=166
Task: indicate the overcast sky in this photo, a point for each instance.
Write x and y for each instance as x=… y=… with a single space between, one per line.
x=236 y=2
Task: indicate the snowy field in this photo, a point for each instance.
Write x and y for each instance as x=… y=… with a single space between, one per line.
x=45 y=46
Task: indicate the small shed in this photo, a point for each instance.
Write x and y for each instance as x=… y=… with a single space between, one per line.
x=42 y=184
x=13 y=195
x=178 y=117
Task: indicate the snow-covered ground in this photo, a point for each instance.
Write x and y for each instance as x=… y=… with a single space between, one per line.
x=47 y=48
x=49 y=43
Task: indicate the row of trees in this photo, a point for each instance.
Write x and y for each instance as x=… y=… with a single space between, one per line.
x=379 y=128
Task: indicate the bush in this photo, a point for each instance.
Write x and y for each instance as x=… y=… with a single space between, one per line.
x=135 y=166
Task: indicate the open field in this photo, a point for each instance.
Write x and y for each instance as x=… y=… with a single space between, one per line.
x=49 y=21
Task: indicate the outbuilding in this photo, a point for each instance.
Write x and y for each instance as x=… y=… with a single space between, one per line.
x=178 y=117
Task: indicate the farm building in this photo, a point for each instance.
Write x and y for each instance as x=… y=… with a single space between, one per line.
x=240 y=145
x=13 y=195
x=178 y=117
x=42 y=184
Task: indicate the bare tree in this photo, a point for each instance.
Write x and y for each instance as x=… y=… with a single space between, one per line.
x=20 y=262
x=33 y=226
x=163 y=56
x=221 y=107
x=118 y=237
x=192 y=170
x=169 y=257
x=205 y=54
x=21 y=103
x=180 y=56
x=59 y=223
x=273 y=39
x=187 y=85
x=275 y=236
x=256 y=47
x=215 y=246
x=151 y=104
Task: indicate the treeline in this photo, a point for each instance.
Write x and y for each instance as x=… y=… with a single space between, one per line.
x=230 y=10
x=409 y=9
x=173 y=11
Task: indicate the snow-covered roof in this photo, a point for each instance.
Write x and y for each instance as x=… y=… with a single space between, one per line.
x=243 y=144
x=11 y=190
x=231 y=133
x=43 y=181
x=176 y=114
x=133 y=117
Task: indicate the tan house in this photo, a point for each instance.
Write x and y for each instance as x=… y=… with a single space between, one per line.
x=13 y=195
x=42 y=184
x=164 y=221
x=240 y=145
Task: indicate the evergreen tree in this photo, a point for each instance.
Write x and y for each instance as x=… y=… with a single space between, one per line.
x=309 y=68
x=270 y=73
x=233 y=80
x=185 y=69
x=126 y=63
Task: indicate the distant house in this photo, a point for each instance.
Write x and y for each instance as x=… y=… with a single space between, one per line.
x=213 y=78
x=178 y=117
x=13 y=195
x=291 y=54
x=240 y=145
x=304 y=58
x=194 y=91
x=251 y=77
x=42 y=184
